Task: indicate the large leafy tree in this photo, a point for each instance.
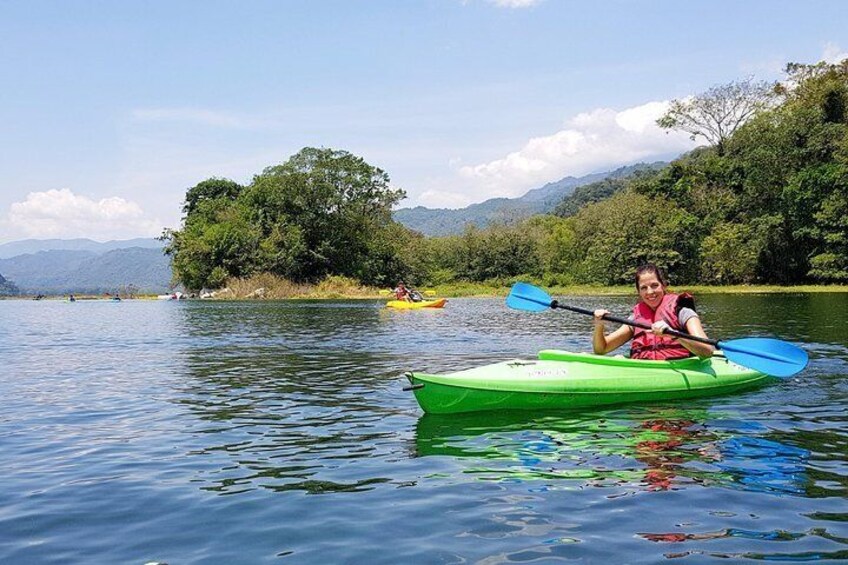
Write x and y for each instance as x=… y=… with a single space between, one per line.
x=322 y=212
x=324 y=207
x=217 y=242
x=209 y=190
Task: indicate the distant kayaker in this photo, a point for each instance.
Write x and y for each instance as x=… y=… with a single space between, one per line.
x=662 y=310
x=402 y=293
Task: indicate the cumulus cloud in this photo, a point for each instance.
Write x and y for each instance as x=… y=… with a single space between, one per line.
x=591 y=141
x=61 y=213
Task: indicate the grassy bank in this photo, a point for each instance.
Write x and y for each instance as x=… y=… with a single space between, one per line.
x=270 y=287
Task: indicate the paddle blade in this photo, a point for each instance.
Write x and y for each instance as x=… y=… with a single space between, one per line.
x=770 y=356
x=527 y=297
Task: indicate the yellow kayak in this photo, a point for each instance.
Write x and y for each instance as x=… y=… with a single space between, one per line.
x=405 y=305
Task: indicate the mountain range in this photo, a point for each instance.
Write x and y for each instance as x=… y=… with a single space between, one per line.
x=63 y=270
x=25 y=246
x=544 y=200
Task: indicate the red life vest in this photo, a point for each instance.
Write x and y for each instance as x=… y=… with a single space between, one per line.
x=646 y=344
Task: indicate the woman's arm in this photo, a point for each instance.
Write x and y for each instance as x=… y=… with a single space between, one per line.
x=693 y=327
x=604 y=343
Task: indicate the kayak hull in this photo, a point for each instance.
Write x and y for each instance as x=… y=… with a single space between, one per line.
x=563 y=380
x=405 y=305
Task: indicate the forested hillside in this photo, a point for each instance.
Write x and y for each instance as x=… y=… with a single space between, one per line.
x=543 y=200
x=765 y=201
x=30 y=246
x=63 y=271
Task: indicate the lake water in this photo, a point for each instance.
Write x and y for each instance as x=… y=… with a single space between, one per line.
x=278 y=432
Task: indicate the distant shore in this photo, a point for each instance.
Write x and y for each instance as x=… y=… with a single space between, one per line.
x=470 y=290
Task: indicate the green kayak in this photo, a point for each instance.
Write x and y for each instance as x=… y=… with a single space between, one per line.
x=560 y=379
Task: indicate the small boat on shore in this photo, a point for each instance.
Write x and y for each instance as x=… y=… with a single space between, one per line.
x=172 y=296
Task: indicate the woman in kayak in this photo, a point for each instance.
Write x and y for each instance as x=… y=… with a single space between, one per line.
x=402 y=293
x=661 y=310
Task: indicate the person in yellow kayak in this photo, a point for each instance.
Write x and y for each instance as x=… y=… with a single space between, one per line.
x=408 y=294
x=401 y=292
x=662 y=310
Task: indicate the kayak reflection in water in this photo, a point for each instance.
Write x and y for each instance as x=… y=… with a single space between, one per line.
x=520 y=450
x=656 y=451
x=660 y=454
x=677 y=537
x=660 y=309
x=749 y=463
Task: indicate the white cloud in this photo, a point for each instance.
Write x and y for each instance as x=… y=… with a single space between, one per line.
x=514 y=3
x=833 y=53
x=592 y=141
x=435 y=198
x=61 y=213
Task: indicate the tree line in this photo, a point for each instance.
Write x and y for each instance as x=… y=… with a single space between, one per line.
x=766 y=201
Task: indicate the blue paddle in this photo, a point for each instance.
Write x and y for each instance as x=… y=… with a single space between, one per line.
x=766 y=355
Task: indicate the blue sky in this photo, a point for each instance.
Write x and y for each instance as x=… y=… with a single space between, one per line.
x=111 y=110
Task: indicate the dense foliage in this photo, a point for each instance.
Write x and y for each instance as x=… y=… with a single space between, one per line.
x=767 y=202
x=322 y=212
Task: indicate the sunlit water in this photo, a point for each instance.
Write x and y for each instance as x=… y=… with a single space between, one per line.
x=251 y=432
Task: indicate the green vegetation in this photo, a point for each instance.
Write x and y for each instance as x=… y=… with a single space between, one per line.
x=322 y=212
x=543 y=200
x=765 y=203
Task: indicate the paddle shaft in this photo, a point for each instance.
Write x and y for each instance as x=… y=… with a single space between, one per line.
x=611 y=318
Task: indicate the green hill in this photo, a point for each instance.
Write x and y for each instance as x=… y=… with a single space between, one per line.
x=63 y=271
x=29 y=246
x=543 y=200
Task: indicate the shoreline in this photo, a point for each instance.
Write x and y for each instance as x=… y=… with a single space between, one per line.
x=463 y=291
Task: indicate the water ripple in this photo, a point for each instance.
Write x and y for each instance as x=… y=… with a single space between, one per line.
x=253 y=432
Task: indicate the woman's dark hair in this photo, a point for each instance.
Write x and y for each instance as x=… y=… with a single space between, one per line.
x=651 y=268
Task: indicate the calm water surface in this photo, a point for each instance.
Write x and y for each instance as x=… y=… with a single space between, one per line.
x=273 y=432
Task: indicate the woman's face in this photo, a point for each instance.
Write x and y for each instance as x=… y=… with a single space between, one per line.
x=651 y=290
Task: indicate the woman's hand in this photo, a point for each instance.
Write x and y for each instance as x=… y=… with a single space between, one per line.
x=659 y=327
x=599 y=317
